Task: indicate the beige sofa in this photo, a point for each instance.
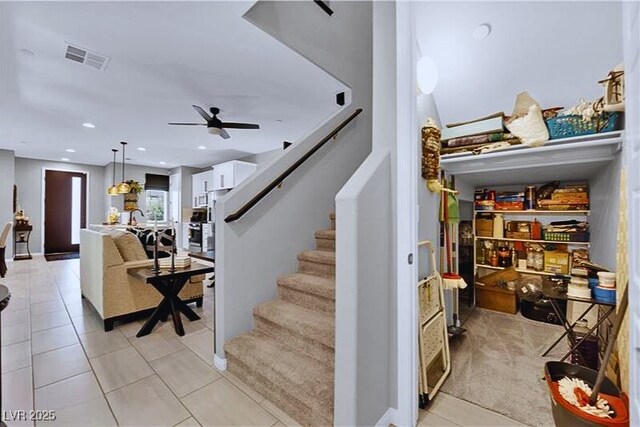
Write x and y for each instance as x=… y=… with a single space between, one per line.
x=114 y=293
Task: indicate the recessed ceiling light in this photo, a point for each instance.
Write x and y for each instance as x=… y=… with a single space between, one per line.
x=23 y=142
x=141 y=149
x=70 y=150
x=64 y=159
x=26 y=52
x=89 y=125
x=278 y=120
x=201 y=147
x=163 y=163
x=482 y=31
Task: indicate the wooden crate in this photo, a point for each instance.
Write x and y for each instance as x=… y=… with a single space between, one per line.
x=484 y=227
x=497 y=299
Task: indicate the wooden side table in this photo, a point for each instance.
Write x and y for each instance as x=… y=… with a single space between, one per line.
x=21 y=234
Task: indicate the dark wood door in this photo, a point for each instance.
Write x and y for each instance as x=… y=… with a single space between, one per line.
x=65 y=210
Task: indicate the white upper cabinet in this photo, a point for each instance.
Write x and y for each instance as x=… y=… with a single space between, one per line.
x=230 y=174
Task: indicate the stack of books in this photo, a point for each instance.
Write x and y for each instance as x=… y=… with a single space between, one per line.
x=180 y=262
x=509 y=201
x=474 y=134
x=569 y=197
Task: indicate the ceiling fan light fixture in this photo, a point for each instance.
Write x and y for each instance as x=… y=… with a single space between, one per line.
x=213 y=130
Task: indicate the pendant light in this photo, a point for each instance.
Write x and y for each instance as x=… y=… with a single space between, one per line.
x=113 y=190
x=123 y=187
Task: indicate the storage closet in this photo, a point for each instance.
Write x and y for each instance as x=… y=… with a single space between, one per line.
x=518 y=246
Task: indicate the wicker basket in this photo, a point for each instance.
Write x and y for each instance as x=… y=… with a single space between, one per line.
x=568 y=126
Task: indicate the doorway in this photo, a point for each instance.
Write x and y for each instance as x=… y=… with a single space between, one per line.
x=65 y=212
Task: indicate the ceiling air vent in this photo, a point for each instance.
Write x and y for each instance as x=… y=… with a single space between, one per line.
x=86 y=57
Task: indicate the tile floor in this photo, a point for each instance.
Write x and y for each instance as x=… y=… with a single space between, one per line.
x=56 y=356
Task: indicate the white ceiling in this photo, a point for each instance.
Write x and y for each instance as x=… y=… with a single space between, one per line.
x=557 y=51
x=165 y=56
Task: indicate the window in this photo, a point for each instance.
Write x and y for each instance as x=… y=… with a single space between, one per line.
x=156 y=205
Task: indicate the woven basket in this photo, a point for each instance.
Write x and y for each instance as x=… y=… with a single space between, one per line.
x=568 y=126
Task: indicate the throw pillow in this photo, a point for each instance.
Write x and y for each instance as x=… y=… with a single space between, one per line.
x=129 y=246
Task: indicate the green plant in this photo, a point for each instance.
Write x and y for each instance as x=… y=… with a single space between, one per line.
x=135 y=186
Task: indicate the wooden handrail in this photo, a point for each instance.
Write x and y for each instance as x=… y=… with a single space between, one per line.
x=276 y=182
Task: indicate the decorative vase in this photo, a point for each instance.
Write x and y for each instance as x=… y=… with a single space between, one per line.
x=130 y=201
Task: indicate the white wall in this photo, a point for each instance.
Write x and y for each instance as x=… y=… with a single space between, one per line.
x=264 y=243
x=262 y=159
x=7 y=167
x=28 y=178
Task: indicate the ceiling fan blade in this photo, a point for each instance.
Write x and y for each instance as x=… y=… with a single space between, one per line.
x=187 y=124
x=224 y=134
x=230 y=125
x=203 y=113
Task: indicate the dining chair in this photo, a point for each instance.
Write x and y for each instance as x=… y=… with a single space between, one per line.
x=3 y=248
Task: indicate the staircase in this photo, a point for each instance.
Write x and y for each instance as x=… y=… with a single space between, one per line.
x=289 y=356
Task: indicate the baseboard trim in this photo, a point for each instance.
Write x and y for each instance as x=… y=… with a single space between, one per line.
x=220 y=362
x=389 y=417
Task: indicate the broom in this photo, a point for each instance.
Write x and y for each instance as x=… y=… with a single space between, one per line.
x=450 y=279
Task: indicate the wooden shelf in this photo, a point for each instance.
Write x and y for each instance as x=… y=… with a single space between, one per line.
x=538 y=212
x=542 y=273
x=564 y=159
x=506 y=239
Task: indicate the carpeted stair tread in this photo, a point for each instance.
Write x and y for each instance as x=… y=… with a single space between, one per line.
x=285 y=374
x=326 y=234
x=318 y=257
x=308 y=283
x=311 y=324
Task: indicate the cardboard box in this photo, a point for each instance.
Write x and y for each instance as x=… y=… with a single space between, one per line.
x=556 y=262
x=484 y=227
x=492 y=297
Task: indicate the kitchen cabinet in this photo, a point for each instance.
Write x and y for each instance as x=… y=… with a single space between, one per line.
x=185 y=236
x=230 y=174
x=201 y=184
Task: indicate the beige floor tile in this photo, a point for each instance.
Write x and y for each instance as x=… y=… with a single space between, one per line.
x=49 y=320
x=39 y=287
x=48 y=296
x=184 y=372
x=222 y=404
x=17 y=303
x=94 y=413
x=16 y=316
x=279 y=414
x=120 y=368
x=18 y=332
x=17 y=391
x=156 y=345
x=465 y=413
x=147 y=402
x=51 y=339
x=16 y=356
x=130 y=329
x=189 y=422
x=46 y=307
x=189 y=327
x=69 y=392
x=82 y=308
x=86 y=324
x=59 y=364
x=201 y=343
x=429 y=419
x=99 y=342
x=243 y=386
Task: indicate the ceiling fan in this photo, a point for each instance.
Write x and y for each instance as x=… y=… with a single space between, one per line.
x=214 y=125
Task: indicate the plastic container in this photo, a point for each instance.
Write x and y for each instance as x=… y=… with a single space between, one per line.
x=498 y=226
x=566 y=415
x=568 y=126
x=604 y=294
x=593 y=282
x=607 y=279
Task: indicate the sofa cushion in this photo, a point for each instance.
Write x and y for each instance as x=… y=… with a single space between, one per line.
x=147 y=239
x=129 y=246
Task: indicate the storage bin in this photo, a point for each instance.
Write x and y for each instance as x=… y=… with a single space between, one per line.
x=556 y=262
x=484 y=227
x=497 y=299
x=568 y=126
x=579 y=236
